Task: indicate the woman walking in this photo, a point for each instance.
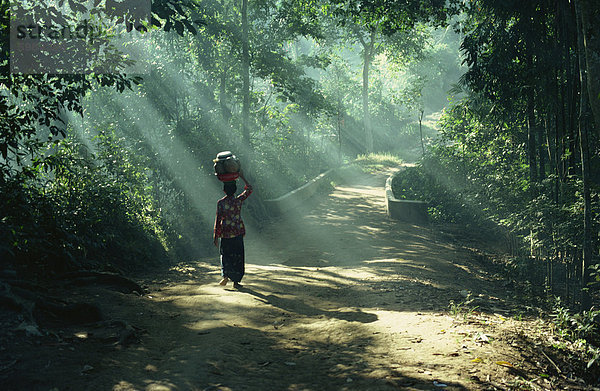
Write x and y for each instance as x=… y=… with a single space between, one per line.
x=230 y=228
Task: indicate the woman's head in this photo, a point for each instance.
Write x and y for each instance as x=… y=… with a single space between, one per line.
x=229 y=188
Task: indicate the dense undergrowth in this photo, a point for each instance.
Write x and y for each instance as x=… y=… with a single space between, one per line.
x=580 y=335
x=373 y=162
x=71 y=210
x=113 y=209
x=484 y=183
x=477 y=180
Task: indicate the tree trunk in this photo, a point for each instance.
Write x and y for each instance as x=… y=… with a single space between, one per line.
x=245 y=75
x=565 y=91
x=225 y=112
x=365 y=102
x=339 y=129
x=368 y=52
x=569 y=43
x=584 y=124
x=421 y=131
x=531 y=135
x=589 y=28
x=541 y=153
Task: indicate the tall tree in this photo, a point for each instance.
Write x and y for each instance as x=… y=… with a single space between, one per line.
x=242 y=41
x=387 y=26
x=529 y=62
x=368 y=53
x=590 y=31
x=34 y=104
x=585 y=122
x=245 y=74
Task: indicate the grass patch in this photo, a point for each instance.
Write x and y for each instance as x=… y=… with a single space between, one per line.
x=377 y=161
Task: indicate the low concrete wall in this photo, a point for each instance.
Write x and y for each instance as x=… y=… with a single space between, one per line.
x=411 y=211
x=300 y=195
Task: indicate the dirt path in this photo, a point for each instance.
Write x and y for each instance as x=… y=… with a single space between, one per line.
x=340 y=298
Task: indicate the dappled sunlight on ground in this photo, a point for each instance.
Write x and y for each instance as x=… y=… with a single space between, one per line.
x=335 y=297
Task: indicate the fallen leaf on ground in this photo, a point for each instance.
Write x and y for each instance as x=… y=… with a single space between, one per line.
x=481 y=337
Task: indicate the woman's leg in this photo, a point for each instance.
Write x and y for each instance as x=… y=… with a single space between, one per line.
x=232 y=259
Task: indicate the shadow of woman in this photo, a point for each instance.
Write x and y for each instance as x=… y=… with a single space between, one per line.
x=299 y=307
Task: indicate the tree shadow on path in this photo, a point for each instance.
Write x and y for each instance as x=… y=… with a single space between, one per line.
x=295 y=305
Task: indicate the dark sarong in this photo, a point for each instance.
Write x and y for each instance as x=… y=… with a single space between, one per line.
x=232 y=258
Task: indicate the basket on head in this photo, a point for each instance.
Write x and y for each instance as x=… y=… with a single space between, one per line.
x=227 y=166
x=232 y=165
x=228 y=177
x=223 y=156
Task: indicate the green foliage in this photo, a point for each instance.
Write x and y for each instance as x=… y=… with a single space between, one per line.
x=32 y=106
x=462 y=308
x=448 y=196
x=73 y=210
x=378 y=161
x=580 y=328
x=63 y=207
x=594 y=276
x=477 y=173
x=108 y=168
x=390 y=15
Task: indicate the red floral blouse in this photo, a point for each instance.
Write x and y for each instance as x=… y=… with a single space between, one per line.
x=228 y=223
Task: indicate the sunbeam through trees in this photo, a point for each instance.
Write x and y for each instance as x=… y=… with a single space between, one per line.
x=111 y=112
